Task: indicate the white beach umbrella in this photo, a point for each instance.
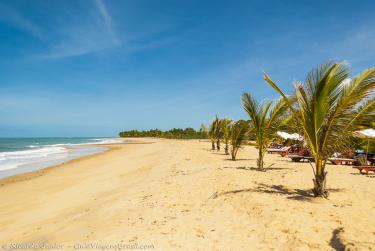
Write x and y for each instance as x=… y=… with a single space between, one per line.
x=366 y=134
x=285 y=135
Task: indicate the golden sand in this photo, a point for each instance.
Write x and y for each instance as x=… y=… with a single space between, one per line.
x=178 y=195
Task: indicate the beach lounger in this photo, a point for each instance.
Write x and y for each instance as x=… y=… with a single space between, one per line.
x=298 y=158
x=371 y=160
x=340 y=161
x=282 y=151
x=276 y=150
x=365 y=169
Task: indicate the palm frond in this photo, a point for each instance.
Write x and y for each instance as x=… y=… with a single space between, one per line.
x=237 y=135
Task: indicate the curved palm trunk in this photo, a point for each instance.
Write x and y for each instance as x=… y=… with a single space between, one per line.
x=226 y=148
x=218 y=144
x=234 y=153
x=212 y=144
x=260 y=161
x=320 y=179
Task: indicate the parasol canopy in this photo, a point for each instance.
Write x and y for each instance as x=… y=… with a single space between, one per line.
x=367 y=133
x=285 y=135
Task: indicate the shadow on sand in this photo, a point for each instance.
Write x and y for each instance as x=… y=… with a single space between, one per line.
x=238 y=159
x=210 y=150
x=293 y=194
x=219 y=153
x=337 y=241
x=255 y=168
x=369 y=175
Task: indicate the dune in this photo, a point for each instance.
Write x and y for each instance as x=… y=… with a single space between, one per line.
x=178 y=195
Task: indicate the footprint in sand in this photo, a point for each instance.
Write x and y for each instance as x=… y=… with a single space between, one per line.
x=199 y=233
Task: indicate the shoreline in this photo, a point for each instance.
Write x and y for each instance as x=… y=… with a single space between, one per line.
x=44 y=170
x=32 y=159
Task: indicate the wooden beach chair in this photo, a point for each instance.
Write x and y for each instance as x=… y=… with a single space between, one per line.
x=304 y=154
x=340 y=161
x=371 y=160
x=282 y=151
x=277 y=150
x=365 y=169
x=298 y=158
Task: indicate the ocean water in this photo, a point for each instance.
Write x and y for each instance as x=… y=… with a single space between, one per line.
x=19 y=155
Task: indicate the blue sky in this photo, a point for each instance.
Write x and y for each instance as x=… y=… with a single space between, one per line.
x=95 y=67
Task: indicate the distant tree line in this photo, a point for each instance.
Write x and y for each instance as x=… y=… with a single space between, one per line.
x=175 y=133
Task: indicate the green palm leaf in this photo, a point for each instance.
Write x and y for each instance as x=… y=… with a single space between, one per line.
x=265 y=118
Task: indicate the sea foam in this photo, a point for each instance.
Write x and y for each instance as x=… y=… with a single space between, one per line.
x=38 y=155
x=9 y=160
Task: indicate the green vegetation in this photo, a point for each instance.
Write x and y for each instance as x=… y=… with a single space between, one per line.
x=204 y=130
x=175 y=133
x=265 y=120
x=226 y=129
x=328 y=108
x=237 y=135
x=230 y=133
x=211 y=133
x=218 y=132
x=215 y=133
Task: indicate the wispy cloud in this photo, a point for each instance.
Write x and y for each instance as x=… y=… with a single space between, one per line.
x=95 y=33
x=92 y=31
x=107 y=20
x=15 y=19
x=64 y=50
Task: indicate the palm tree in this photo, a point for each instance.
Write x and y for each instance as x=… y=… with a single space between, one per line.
x=265 y=117
x=226 y=128
x=204 y=130
x=237 y=134
x=329 y=107
x=218 y=132
x=212 y=133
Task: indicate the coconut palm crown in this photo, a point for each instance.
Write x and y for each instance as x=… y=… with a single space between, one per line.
x=266 y=117
x=237 y=135
x=329 y=107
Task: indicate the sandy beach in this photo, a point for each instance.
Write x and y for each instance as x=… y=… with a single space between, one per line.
x=180 y=195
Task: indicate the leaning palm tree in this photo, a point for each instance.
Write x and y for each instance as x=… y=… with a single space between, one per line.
x=226 y=128
x=266 y=118
x=237 y=134
x=329 y=107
